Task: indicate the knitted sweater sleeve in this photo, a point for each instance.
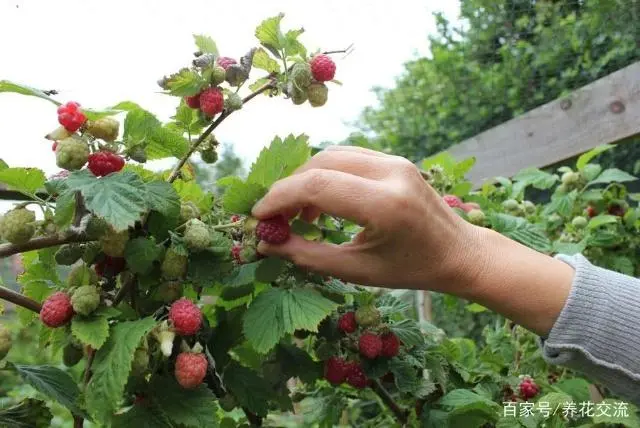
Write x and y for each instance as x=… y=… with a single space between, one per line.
x=598 y=330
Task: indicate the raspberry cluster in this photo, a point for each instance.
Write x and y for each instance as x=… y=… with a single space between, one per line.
x=307 y=80
x=337 y=371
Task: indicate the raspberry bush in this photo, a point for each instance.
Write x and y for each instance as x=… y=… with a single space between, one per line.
x=156 y=309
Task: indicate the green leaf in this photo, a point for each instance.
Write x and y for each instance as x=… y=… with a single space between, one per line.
x=585 y=158
x=404 y=374
x=140 y=254
x=279 y=160
x=408 y=331
x=92 y=114
x=522 y=231
x=291 y=44
x=467 y=406
x=240 y=197
x=7 y=86
x=186 y=83
x=296 y=362
x=278 y=312
x=111 y=367
x=39 y=276
x=462 y=189
x=205 y=44
x=263 y=61
x=162 y=197
x=191 y=191
x=164 y=143
x=599 y=220
x=138 y=125
x=146 y=416
x=444 y=159
x=29 y=413
x=190 y=408
x=475 y=308
x=242 y=275
x=24 y=180
x=577 y=388
x=462 y=167
x=52 y=382
x=251 y=391
x=613 y=175
x=536 y=178
x=569 y=248
x=65 y=209
x=562 y=204
x=116 y=197
x=618 y=413
x=269 y=33
x=269 y=269
x=92 y=330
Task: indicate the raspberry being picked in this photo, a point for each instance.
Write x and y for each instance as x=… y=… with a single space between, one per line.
x=335 y=370
x=370 y=345
x=57 y=310
x=211 y=101
x=322 y=67
x=390 y=345
x=185 y=316
x=347 y=322
x=453 y=201
x=190 y=369
x=70 y=116
x=274 y=230
x=105 y=163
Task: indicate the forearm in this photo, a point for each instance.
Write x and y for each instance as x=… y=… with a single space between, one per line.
x=509 y=278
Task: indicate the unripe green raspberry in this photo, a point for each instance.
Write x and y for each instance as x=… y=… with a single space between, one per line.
x=174 y=265
x=18 y=225
x=138 y=154
x=236 y=75
x=301 y=75
x=91 y=251
x=72 y=153
x=233 y=102
x=169 y=291
x=140 y=361
x=82 y=275
x=476 y=217
x=105 y=128
x=529 y=207
x=298 y=96
x=248 y=254
x=367 y=316
x=209 y=155
x=511 y=205
x=69 y=254
x=72 y=354
x=188 y=211
x=570 y=178
x=85 y=299
x=114 y=243
x=218 y=74
x=196 y=235
x=579 y=222
x=5 y=341
x=96 y=227
x=318 y=93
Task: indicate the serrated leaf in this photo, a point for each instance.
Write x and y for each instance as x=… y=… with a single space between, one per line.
x=116 y=197
x=7 y=86
x=93 y=114
x=536 y=178
x=562 y=204
x=146 y=416
x=29 y=413
x=92 y=330
x=269 y=33
x=600 y=220
x=461 y=189
x=269 y=269
x=140 y=254
x=39 y=276
x=206 y=270
x=278 y=312
x=577 y=388
x=52 y=382
x=112 y=365
x=240 y=197
x=616 y=415
x=522 y=231
x=404 y=374
x=612 y=175
x=65 y=209
x=291 y=44
x=444 y=159
x=263 y=61
x=408 y=331
x=475 y=308
x=164 y=143
x=297 y=363
x=162 y=197
x=241 y=275
x=191 y=191
x=186 y=83
x=462 y=167
x=205 y=44
x=138 y=125
x=190 y=408
x=279 y=160
x=251 y=391
x=585 y=158
x=569 y=248
x=24 y=180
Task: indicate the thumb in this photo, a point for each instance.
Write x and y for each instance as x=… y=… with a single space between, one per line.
x=341 y=261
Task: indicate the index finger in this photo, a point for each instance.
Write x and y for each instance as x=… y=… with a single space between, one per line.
x=333 y=192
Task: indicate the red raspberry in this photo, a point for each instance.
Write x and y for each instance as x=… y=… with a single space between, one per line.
x=468 y=206
x=370 y=345
x=335 y=370
x=347 y=322
x=110 y=266
x=322 y=67
x=274 y=230
x=235 y=253
x=356 y=377
x=193 y=101
x=56 y=310
x=225 y=61
x=390 y=345
x=591 y=211
x=190 y=369
x=528 y=388
x=185 y=317
x=70 y=117
x=453 y=201
x=211 y=101
x=616 y=210
x=104 y=163
x=235 y=218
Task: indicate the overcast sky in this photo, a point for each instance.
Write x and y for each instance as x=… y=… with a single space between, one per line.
x=102 y=52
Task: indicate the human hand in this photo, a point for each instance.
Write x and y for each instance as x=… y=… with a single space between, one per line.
x=411 y=238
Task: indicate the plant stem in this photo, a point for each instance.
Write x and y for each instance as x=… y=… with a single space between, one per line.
x=19 y=299
x=78 y=421
x=39 y=243
x=402 y=415
x=254 y=420
x=126 y=287
x=227 y=226
x=176 y=170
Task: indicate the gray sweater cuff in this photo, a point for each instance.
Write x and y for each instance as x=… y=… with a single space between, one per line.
x=598 y=330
